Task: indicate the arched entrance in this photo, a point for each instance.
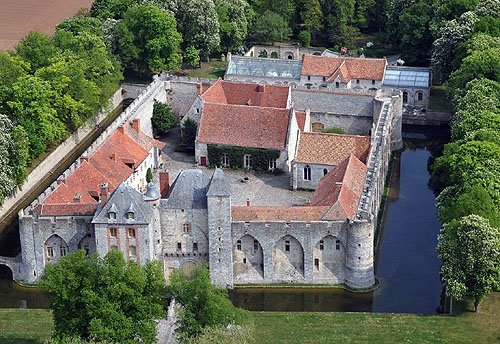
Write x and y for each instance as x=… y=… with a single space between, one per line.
x=248 y=260
x=6 y=272
x=288 y=260
x=188 y=268
x=329 y=260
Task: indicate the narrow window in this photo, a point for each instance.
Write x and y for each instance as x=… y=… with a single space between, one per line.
x=244 y=260
x=87 y=250
x=195 y=247
x=255 y=245
x=272 y=164
x=185 y=228
x=357 y=82
x=308 y=77
x=325 y=172
x=324 y=78
x=50 y=252
x=248 y=161
x=238 y=245
x=62 y=251
x=373 y=82
x=112 y=232
x=179 y=246
x=405 y=97
x=337 y=85
x=316 y=263
x=114 y=248
x=287 y=246
x=337 y=245
x=420 y=96
x=321 y=245
x=132 y=252
x=131 y=233
x=307 y=172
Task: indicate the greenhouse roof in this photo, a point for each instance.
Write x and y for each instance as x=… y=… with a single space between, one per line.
x=407 y=77
x=265 y=67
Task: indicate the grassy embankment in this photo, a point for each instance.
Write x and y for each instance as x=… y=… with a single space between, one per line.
x=35 y=326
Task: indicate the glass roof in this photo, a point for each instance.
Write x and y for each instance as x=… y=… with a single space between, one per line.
x=407 y=77
x=254 y=66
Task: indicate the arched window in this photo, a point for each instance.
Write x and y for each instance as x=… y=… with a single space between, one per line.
x=274 y=55
x=325 y=172
x=307 y=172
x=420 y=96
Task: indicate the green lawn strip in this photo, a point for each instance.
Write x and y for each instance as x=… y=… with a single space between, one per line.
x=211 y=70
x=23 y=326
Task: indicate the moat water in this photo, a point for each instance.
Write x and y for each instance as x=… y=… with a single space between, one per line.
x=407 y=265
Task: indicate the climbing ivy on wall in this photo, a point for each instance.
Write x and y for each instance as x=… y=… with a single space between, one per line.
x=260 y=157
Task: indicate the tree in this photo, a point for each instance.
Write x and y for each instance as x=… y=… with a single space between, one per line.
x=470 y=251
x=395 y=9
x=203 y=304
x=233 y=24
x=37 y=49
x=304 y=38
x=477 y=42
x=163 y=118
x=416 y=38
x=198 y=24
x=115 y=9
x=192 y=56
x=77 y=25
x=446 y=10
x=465 y=122
x=148 y=40
x=105 y=299
x=19 y=156
x=311 y=16
x=189 y=128
x=149 y=175
x=271 y=27
x=6 y=183
x=11 y=69
x=338 y=18
x=361 y=12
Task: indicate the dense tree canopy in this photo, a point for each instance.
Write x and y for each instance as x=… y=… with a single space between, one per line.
x=233 y=26
x=106 y=299
x=270 y=27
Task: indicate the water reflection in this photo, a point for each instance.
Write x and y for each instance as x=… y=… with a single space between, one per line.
x=13 y=295
x=301 y=299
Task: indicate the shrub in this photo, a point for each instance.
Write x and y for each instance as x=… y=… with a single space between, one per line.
x=149 y=175
x=163 y=118
x=192 y=56
x=334 y=130
x=304 y=38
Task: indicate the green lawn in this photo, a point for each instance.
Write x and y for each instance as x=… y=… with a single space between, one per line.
x=381 y=328
x=25 y=326
x=212 y=70
x=439 y=100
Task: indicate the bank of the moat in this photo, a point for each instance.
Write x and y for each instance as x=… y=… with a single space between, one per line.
x=407 y=265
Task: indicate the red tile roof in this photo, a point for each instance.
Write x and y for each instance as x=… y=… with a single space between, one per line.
x=301 y=120
x=131 y=147
x=341 y=189
x=235 y=93
x=346 y=68
x=331 y=149
x=271 y=214
x=244 y=126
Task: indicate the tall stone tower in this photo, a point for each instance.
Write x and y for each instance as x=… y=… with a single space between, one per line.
x=359 y=254
x=219 y=231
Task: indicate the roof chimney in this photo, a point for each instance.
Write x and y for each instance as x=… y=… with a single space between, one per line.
x=199 y=89
x=136 y=124
x=113 y=156
x=164 y=183
x=248 y=202
x=103 y=196
x=121 y=129
x=84 y=158
x=261 y=88
x=77 y=197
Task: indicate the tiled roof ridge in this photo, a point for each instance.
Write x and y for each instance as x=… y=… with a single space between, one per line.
x=219 y=81
x=336 y=92
x=251 y=106
x=350 y=57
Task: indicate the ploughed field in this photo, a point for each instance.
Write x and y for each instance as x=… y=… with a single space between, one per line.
x=19 y=17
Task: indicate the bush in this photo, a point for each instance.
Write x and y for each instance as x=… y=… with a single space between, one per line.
x=334 y=130
x=149 y=175
x=163 y=118
x=304 y=38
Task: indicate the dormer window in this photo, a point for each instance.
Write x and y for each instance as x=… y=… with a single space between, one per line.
x=130 y=215
x=112 y=215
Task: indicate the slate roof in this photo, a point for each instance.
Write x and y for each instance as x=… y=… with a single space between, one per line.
x=331 y=149
x=271 y=214
x=341 y=189
x=124 y=199
x=218 y=185
x=244 y=126
x=347 y=68
x=188 y=191
x=127 y=147
x=235 y=93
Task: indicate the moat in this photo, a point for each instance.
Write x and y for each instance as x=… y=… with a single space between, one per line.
x=407 y=265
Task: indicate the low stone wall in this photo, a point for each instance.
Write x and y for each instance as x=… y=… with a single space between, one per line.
x=434 y=118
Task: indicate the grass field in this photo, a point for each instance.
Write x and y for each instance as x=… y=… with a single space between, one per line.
x=25 y=326
x=212 y=70
x=35 y=326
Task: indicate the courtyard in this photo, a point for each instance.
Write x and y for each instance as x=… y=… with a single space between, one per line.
x=260 y=188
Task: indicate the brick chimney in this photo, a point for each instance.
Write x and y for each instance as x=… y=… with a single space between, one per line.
x=136 y=124
x=261 y=88
x=104 y=195
x=84 y=158
x=113 y=156
x=248 y=202
x=121 y=129
x=164 y=183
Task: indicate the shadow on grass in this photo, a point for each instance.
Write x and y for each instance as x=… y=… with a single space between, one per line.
x=6 y=338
